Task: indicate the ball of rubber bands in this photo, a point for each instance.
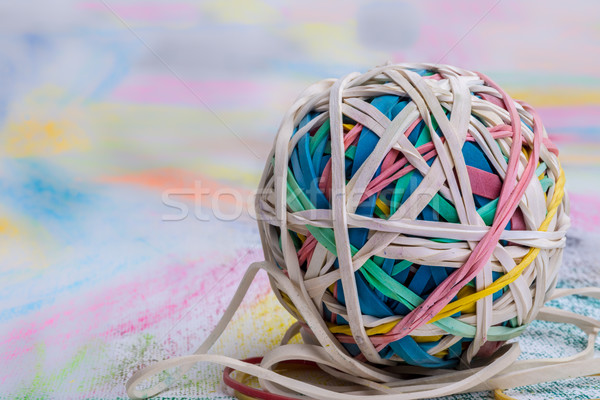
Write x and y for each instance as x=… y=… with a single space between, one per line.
x=418 y=210
x=413 y=220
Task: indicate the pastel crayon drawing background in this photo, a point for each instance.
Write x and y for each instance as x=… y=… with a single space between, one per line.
x=116 y=115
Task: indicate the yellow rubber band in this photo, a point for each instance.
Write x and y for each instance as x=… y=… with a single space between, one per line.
x=376 y=330
x=382 y=206
x=513 y=274
x=500 y=395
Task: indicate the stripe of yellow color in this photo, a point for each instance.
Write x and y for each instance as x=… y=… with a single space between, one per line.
x=7 y=227
x=557 y=97
x=40 y=138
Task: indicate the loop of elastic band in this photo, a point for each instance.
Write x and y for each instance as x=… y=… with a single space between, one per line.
x=506 y=374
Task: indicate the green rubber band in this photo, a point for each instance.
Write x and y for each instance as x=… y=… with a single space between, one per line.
x=318 y=137
x=401 y=266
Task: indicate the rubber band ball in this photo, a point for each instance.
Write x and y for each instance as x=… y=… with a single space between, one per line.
x=419 y=210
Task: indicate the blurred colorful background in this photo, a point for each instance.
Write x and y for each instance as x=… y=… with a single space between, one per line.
x=111 y=110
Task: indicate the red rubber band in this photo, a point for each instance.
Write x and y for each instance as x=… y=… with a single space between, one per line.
x=253 y=392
